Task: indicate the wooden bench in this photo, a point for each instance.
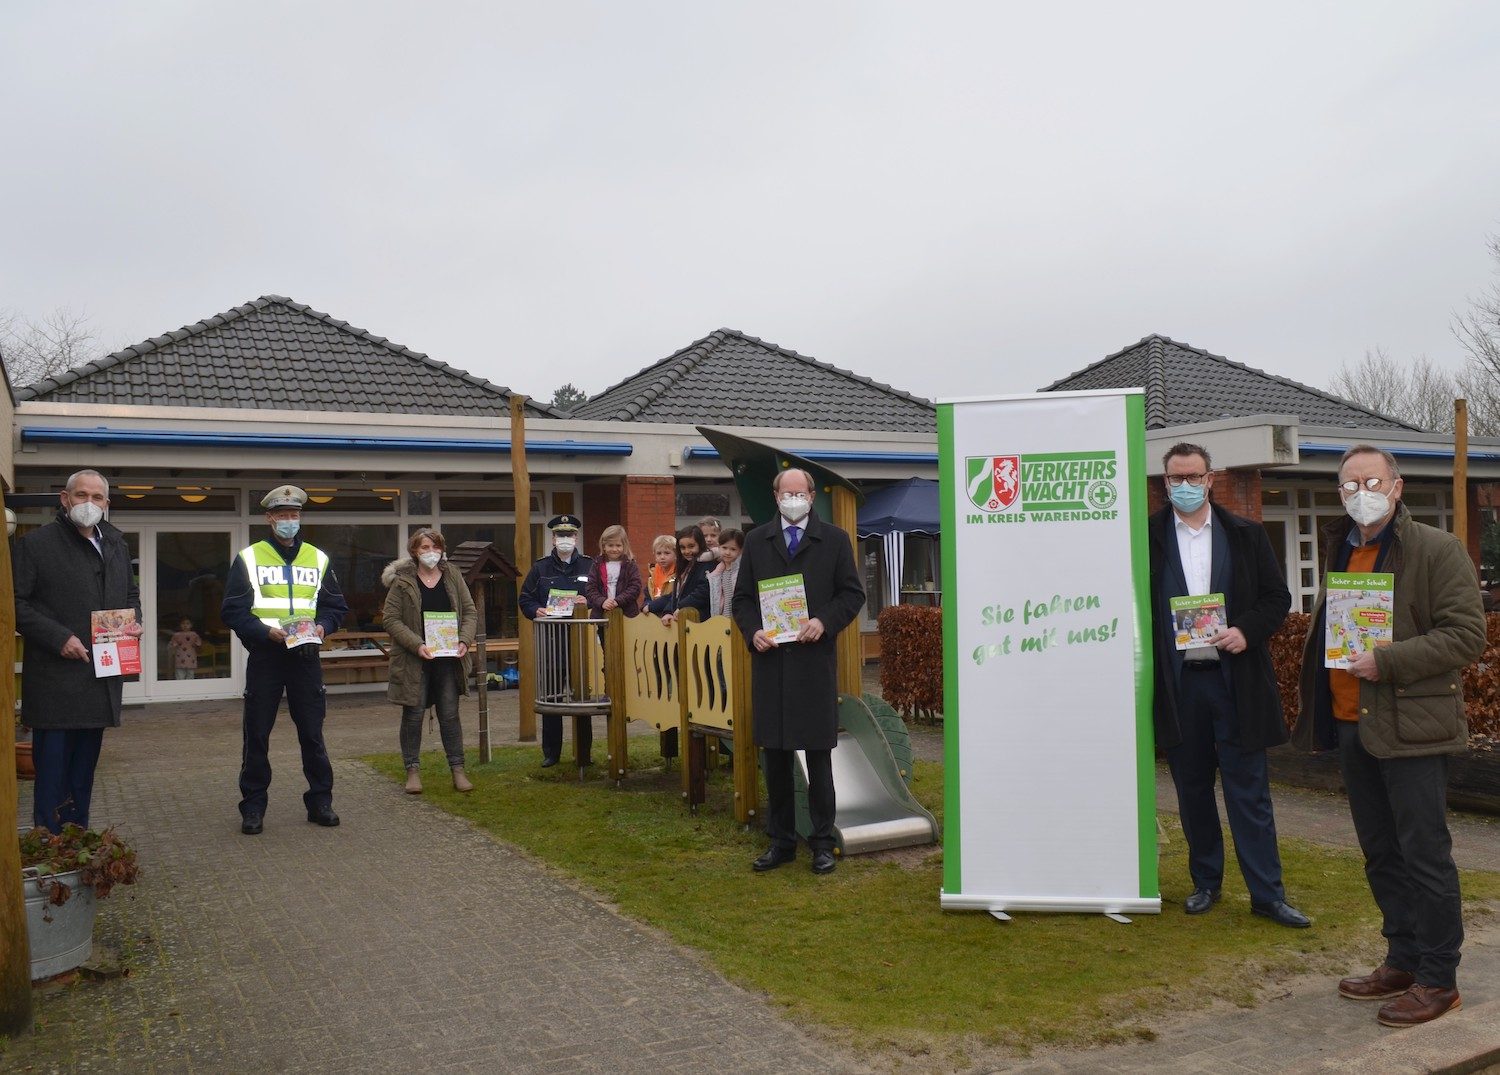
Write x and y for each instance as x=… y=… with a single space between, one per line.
x=357 y=662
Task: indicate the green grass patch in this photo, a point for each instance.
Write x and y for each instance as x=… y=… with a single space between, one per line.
x=868 y=953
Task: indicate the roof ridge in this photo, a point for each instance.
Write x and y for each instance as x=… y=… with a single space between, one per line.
x=404 y=351
x=1158 y=341
x=682 y=361
x=1156 y=384
x=229 y=316
x=145 y=347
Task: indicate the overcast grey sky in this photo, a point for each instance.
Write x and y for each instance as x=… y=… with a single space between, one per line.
x=957 y=199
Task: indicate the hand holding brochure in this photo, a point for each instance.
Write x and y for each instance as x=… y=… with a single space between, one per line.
x=1360 y=615
x=116 y=651
x=783 y=607
x=1197 y=619
x=300 y=631
x=441 y=633
x=561 y=602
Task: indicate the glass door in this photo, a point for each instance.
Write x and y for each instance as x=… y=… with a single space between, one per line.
x=190 y=652
x=133 y=692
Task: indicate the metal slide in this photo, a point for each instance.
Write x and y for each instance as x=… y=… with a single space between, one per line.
x=876 y=810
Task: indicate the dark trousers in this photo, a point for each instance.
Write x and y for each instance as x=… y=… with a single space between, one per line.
x=65 y=761
x=552 y=738
x=439 y=690
x=1400 y=811
x=271 y=672
x=781 y=798
x=1208 y=720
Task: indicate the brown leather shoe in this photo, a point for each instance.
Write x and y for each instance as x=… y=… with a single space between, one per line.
x=1382 y=983
x=1419 y=1004
x=460 y=781
x=413 y=781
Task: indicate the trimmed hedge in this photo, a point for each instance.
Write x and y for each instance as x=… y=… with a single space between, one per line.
x=911 y=668
x=911 y=659
x=1481 y=679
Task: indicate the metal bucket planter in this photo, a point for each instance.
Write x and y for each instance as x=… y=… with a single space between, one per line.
x=61 y=937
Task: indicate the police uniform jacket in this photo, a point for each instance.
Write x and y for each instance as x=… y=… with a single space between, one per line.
x=239 y=602
x=60 y=580
x=550 y=573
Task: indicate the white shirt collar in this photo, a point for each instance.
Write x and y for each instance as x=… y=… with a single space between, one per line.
x=1182 y=523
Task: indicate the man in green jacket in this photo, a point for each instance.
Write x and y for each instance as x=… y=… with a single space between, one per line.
x=1395 y=715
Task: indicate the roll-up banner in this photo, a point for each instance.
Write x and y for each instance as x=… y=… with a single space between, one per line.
x=1050 y=798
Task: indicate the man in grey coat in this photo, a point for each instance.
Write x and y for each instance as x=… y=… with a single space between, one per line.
x=794 y=685
x=65 y=571
x=1395 y=716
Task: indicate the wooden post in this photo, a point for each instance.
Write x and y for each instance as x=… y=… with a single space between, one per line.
x=15 y=973
x=525 y=632
x=846 y=518
x=482 y=665
x=746 y=757
x=684 y=674
x=615 y=680
x=1461 y=471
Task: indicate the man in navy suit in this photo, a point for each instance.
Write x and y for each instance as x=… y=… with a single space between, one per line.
x=1217 y=707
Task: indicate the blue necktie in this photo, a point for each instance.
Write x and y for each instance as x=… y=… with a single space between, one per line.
x=793 y=539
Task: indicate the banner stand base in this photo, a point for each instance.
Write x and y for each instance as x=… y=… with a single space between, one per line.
x=1002 y=907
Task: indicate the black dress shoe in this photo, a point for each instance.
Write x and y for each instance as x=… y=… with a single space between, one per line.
x=548 y=763
x=776 y=856
x=252 y=824
x=1282 y=913
x=323 y=815
x=1201 y=900
x=823 y=861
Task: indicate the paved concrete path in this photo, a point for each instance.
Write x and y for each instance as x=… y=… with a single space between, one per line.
x=421 y=943
x=404 y=940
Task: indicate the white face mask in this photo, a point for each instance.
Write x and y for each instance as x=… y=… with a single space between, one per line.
x=794 y=506
x=566 y=545
x=431 y=559
x=85 y=515
x=1367 y=508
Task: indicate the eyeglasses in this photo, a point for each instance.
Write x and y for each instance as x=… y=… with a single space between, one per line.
x=1372 y=484
x=1175 y=480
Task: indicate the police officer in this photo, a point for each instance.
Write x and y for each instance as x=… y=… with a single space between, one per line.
x=563 y=570
x=276 y=587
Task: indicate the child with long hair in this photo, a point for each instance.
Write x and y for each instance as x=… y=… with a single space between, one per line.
x=691 y=587
x=615 y=581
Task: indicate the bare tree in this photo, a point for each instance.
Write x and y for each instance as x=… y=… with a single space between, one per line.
x=33 y=350
x=1419 y=392
x=1478 y=333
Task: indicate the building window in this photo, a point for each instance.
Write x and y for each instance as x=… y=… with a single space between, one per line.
x=357 y=553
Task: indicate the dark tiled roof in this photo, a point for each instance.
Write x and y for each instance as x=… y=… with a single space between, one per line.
x=276 y=354
x=728 y=378
x=1185 y=385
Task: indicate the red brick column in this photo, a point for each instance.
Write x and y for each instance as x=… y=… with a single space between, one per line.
x=1477 y=521
x=1237 y=491
x=648 y=507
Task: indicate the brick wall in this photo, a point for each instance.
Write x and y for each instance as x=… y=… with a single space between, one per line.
x=1237 y=491
x=648 y=507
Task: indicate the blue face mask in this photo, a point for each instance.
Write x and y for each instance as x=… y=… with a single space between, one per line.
x=1188 y=498
x=286 y=529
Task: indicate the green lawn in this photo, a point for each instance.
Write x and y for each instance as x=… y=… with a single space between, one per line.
x=868 y=953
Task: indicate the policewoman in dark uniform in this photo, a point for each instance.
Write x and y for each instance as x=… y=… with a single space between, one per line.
x=562 y=569
x=270 y=583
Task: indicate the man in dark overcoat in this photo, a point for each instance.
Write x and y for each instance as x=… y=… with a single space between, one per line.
x=1217 y=707
x=76 y=565
x=794 y=685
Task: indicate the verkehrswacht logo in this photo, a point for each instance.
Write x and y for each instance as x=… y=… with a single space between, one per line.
x=1047 y=487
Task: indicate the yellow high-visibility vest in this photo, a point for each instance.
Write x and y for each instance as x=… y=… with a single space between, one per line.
x=283 y=590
